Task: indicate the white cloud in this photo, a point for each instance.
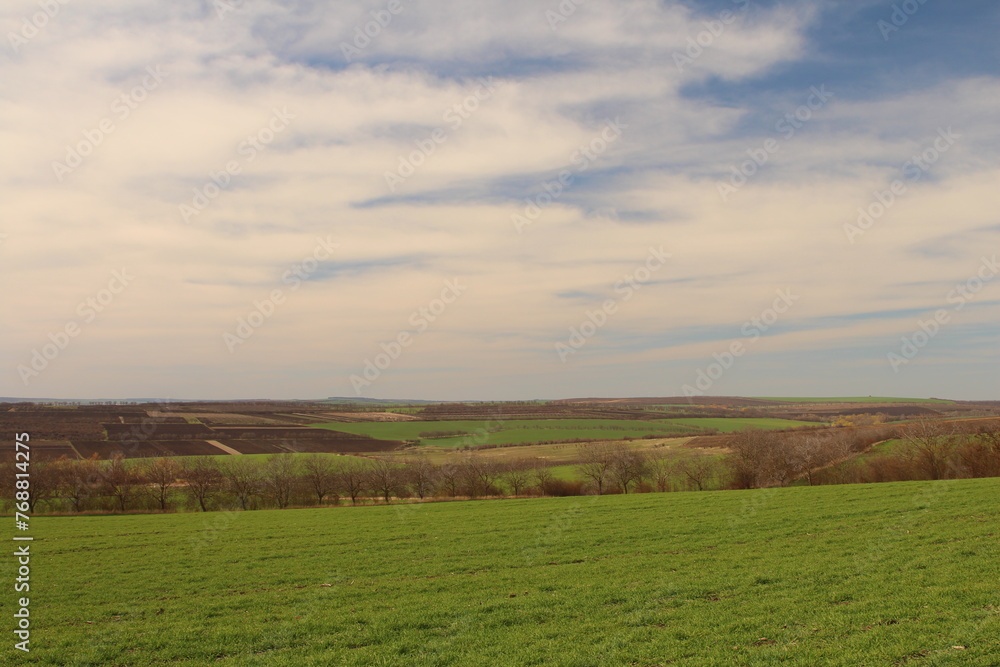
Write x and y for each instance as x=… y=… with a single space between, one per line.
x=555 y=90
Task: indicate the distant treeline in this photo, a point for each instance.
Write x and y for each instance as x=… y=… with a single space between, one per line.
x=924 y=450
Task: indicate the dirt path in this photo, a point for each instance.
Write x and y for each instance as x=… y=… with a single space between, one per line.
x=226 y=449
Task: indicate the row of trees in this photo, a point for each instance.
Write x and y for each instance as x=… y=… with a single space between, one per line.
x=618 y=468
x=757 y=459
x=283 y=480
x=927 y=451
x=921 y=450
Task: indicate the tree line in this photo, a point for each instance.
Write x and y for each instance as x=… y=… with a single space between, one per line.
x=755 y=459
x=285 y=480
x=275 y=481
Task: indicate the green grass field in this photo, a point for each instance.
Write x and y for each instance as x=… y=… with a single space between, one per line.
x=888 y=446
x=568 y=473
x=891 y=574
x=524 y=431
x=554 y=454
x=513 y=431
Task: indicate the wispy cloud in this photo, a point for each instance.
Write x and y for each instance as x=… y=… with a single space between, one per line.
x=356 y=112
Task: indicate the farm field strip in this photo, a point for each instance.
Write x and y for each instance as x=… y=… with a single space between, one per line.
x=732 y=424
x=858 y=399
x=537 y=430
x=225 y=448
x=848 y=575
x=553 y=453
x=258 y=458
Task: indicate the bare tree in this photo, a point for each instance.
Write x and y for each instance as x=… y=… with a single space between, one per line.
x=989 y=435
x=422 y=476
x=760 y=459
x=351 y=479
x=543 y=479
x=596 y=462
x=319 y=475
x=661 y=466
x=385 y=478
x=78 y=481
x=279 y=476
x=44 y=484
x=979 y=455
x=517 y=474
x=628 y=467
x=698 y=469
x=451 y=475
x=930 y=446
x=203 y=481
x=481 y=475
x=811 y=452
x=120 y=480
x=162 y=474
x=242 y=478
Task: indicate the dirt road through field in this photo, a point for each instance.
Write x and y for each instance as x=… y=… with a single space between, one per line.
x=227 y=450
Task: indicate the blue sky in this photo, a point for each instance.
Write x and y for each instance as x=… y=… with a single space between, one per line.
x=500 y=200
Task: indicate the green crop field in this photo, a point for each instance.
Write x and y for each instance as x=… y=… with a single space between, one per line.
x=891 y=574
x=567 y=473
x=553 y=453
x=524 y=431
x=730 y=425
x=513 y=431
x=888 y=446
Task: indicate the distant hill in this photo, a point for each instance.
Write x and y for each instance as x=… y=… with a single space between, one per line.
x=378 y=401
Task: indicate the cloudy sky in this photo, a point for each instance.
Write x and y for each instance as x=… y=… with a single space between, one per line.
x=499 y=200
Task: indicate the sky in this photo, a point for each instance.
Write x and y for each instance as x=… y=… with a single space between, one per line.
x=212 y=199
